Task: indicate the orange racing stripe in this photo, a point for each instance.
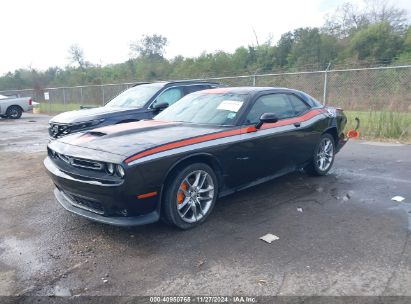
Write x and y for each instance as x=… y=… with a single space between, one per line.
x=182 y=143
x=146 y=195
x=248 y=129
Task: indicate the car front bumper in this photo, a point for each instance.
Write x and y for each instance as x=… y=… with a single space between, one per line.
x=105 y=203
x=71 y=206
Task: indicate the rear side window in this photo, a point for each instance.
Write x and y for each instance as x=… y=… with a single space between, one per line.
x=300 y=107
x=278 y=104
x=312 y=101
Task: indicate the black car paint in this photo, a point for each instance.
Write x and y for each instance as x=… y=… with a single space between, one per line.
x=86 y=119
x=260 y=156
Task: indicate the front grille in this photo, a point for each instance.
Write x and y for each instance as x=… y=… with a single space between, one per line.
x=77 y=162
x=86 y=204
x=82 y=163
x=58 y=130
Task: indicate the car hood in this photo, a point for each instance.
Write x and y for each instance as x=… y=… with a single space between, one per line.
x=131 y=138
x=85 y=115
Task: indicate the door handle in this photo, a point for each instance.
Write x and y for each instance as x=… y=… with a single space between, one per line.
x=297 y=124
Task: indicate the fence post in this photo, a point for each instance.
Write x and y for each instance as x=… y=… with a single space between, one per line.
x=49 y=102
x=81 y=95
x=64 y=99
x=325 y=83
x=254 y=80
x=102 y=94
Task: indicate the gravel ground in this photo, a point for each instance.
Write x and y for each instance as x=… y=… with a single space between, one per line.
x=349 y=239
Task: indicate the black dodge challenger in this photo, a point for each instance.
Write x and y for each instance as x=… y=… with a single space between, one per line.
x=209 y=144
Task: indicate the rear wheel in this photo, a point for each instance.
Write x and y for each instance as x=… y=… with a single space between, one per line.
x=323 y=157
x=190 y=196
x=14 y=112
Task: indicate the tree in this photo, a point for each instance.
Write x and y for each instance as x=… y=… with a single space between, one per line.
x=152 y=47
x=284 y=46
x=378 y=42
x=382 y=11
x=76 y=55
x=348 y=18
x=405 y=56
x=306 y=48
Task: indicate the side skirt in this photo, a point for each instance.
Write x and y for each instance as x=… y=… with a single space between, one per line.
x=257 y=182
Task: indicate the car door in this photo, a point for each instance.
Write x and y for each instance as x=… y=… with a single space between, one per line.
x=304 y=136
x=269 y=148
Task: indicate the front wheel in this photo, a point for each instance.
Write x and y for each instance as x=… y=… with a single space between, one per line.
x=323 y=157
x=190 y=196
x=14 y=112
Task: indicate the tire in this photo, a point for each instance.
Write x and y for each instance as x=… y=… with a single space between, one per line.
x=323 y=158
x=190 y=196
x=14 y=112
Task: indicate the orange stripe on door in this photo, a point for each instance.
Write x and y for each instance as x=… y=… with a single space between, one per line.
x=195 y=140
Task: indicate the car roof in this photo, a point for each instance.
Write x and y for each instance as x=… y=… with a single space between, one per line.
x=178 y=82
x=186 y=82
x=246 y=90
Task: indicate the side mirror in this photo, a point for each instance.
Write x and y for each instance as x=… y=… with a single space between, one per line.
x=160 y=106
x=266 y=118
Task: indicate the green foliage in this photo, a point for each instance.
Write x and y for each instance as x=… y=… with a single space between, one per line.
x=149 y=46
x=376 y=41
x=375 y=36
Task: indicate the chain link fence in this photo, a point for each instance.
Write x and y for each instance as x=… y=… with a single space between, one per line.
x=352 y=89
x=380 y=96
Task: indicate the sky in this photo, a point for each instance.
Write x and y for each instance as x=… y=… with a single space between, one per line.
x=37 y=34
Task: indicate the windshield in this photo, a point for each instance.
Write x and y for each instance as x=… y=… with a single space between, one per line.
x=205 y=108
x=135 y=97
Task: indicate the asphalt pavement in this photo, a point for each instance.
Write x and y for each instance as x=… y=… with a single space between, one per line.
x=338 y=235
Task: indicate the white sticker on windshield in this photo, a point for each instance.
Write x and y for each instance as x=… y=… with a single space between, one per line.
x=230 y=105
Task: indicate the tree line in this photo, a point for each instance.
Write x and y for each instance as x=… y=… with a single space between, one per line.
x=379 y=34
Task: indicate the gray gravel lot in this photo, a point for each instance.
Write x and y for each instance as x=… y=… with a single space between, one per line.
x=350 y=239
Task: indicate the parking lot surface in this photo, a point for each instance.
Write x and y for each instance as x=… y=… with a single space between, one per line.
x=349 y=239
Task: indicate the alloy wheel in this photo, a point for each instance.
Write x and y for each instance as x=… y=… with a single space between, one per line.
x=195 y=196
x=14 y=113
x=325 y=154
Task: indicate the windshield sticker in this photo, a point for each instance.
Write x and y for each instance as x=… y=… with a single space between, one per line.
x=230 y=105
x=231 y=115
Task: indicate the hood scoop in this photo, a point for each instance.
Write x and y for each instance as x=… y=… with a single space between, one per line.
x=96 y=133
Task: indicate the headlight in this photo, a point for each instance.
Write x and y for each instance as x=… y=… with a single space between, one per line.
x=110 y=168
x=120 y=171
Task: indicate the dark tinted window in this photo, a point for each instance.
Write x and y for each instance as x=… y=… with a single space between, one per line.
x=273 y=103
x=312 y=101
x=299 y=106
x=195 y=88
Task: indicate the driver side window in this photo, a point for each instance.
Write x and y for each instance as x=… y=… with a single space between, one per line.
x=278 y=104
x=169 y=96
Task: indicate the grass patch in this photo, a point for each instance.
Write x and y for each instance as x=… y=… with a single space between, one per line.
x=58 y=107
x=374 y=124
x=382 y=124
